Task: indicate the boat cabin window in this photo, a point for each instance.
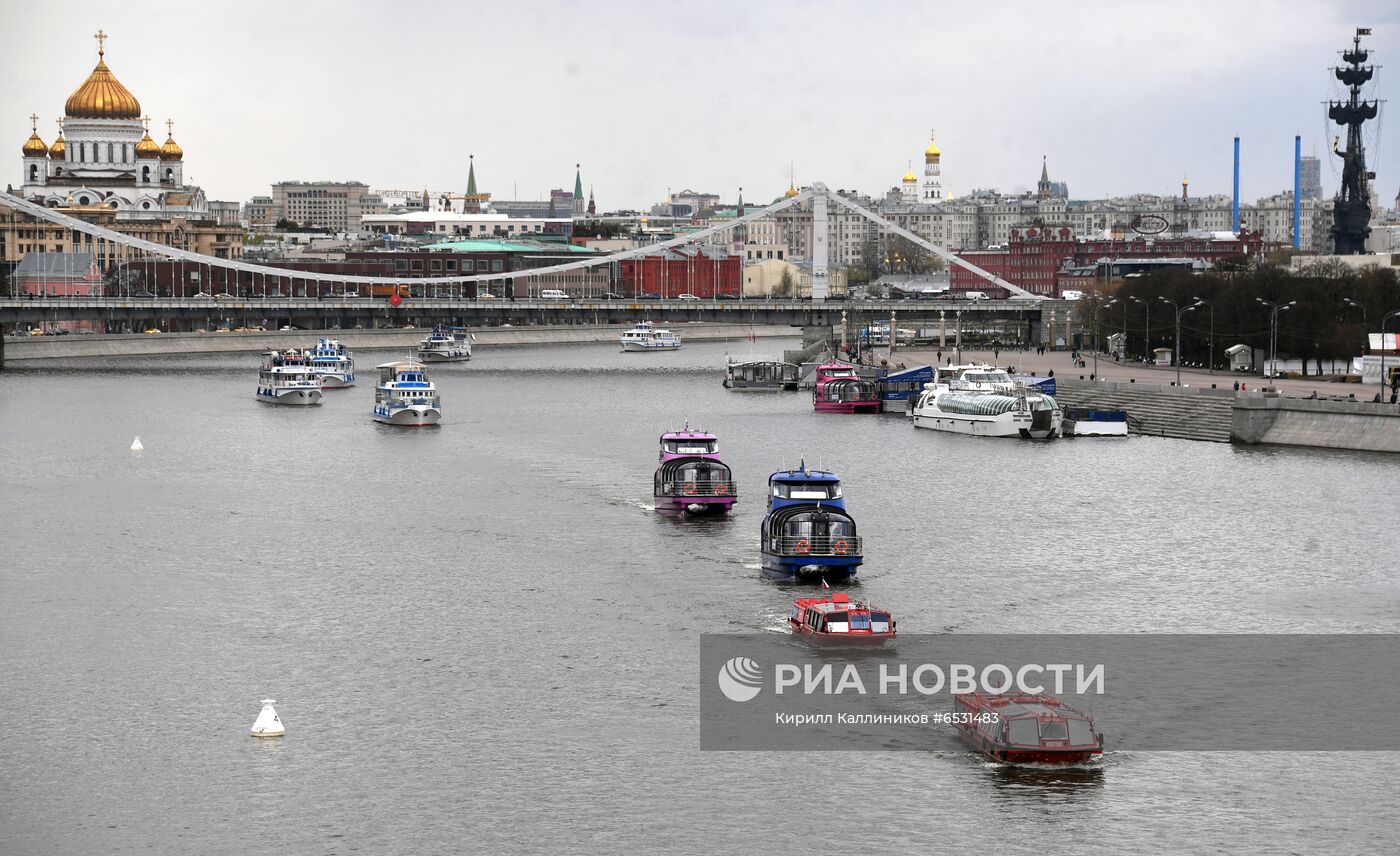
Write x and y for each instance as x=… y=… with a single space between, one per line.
x=788 y=490
x=1080 y=733
x=987 y=377
x=1053 y=731
x=860 y=621
x=818 y=525
x=837 y=622
x=691 y=447
x=880 y=622
x=1024 y=731
x=840 y=373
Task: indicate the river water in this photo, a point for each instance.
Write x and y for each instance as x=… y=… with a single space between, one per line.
x=482 y=639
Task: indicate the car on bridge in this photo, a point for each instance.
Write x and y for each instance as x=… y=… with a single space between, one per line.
x=686 y=297
x=651 y=295
x=143 y=295
x=608 y=295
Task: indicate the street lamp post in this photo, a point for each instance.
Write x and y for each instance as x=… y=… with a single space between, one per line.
x=1274 y=310
x=1387 y=317
x=1146 y=331
x=1180 y=310
x=1354 y=305
x=1210 y=353
x=1097 y=345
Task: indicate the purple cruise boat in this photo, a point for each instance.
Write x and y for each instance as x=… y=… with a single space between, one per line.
x=691 y=477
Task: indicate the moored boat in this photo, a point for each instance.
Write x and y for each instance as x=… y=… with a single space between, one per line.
x=445 y=346
x=1094 y=422
x=838 y=619
x=405 y=396
x=332 y=361
x=839 y=389
x=286 y=379
x=761 y=374
x=1026 y=729
x=985 y=402
x=691 y=477
x=807 y=531
x=645 y=337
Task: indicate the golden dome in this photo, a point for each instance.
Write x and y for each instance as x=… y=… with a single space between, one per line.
x=102 y=97
x=932 y=152
x=58 y=148
x=35 y=147
x=791 y=191
x=171 y=150
x=147 y=148
x=910 y=177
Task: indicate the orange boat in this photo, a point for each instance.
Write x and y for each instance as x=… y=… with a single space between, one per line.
x=838 y=619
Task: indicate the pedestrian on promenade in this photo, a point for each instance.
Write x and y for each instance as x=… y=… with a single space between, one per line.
x=1237 y=387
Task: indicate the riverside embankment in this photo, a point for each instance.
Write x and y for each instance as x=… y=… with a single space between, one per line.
x=141 y=345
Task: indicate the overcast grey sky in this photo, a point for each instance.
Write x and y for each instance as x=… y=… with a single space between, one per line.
x=1122 y=97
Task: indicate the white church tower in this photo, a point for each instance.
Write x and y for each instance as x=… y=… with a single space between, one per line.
x=933 y=177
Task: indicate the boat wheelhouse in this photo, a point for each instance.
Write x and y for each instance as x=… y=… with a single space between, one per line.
x=405 y=395
x=445 y=346
x=1026 y=729
x=761 y=374
x=1017 y=413
x=838 y=619
x=332 y=361
x=285 y=378
x=645 y=337
x=901 y=387
x=1094 y=422
x=691 y=477
x=840 y=389
x=807 y=531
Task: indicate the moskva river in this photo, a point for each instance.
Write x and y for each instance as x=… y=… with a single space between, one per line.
x=482 y=638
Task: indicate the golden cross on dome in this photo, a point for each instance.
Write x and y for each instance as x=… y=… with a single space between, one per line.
x=34 y=121
x=170 y=127
x=101 y=42
x=59 y=123
x=146 y=120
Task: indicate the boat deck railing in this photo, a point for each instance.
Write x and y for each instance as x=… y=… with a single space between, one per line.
x=698 y=488
x=817 y=545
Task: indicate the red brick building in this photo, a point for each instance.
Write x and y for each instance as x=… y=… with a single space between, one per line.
x=1035 y=256
x=705 y=272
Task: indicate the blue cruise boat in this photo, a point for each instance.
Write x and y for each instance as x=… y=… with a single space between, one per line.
x=807 y=532
x=332 y=361
x=405 y=395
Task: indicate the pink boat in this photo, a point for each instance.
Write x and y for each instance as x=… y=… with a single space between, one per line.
x=691 y=477
x=841 y=390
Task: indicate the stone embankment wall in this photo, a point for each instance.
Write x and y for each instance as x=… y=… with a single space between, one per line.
x=64 y=347
x=1326 y=424
x=1189 y=413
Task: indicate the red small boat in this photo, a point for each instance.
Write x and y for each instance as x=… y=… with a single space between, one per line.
x=1019 y=728
x=840 y=389
x=837 y=619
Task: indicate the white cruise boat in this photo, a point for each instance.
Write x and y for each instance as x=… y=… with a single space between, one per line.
x=986 y=402
x=405 y=396
x=286 y=379
x=332 y=361
x=441 y=346
x=644 y=337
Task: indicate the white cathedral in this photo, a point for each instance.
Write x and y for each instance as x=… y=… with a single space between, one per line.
x=104 y=156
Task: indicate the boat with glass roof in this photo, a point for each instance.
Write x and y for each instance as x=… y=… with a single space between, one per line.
x=405 y=396
x=691 y=477
x=840 y=620
x=807 y=532
x=840 y=389
x=285 y=378
x=1026 y=729
x=987 y=402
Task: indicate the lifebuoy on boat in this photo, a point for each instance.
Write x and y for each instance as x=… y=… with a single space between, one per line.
x=841 y=547
x=721 y=488
x=689 y=488
x=803 y=547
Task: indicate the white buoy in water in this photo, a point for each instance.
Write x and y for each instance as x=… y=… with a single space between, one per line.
x=267 y=724
x=136 y=445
